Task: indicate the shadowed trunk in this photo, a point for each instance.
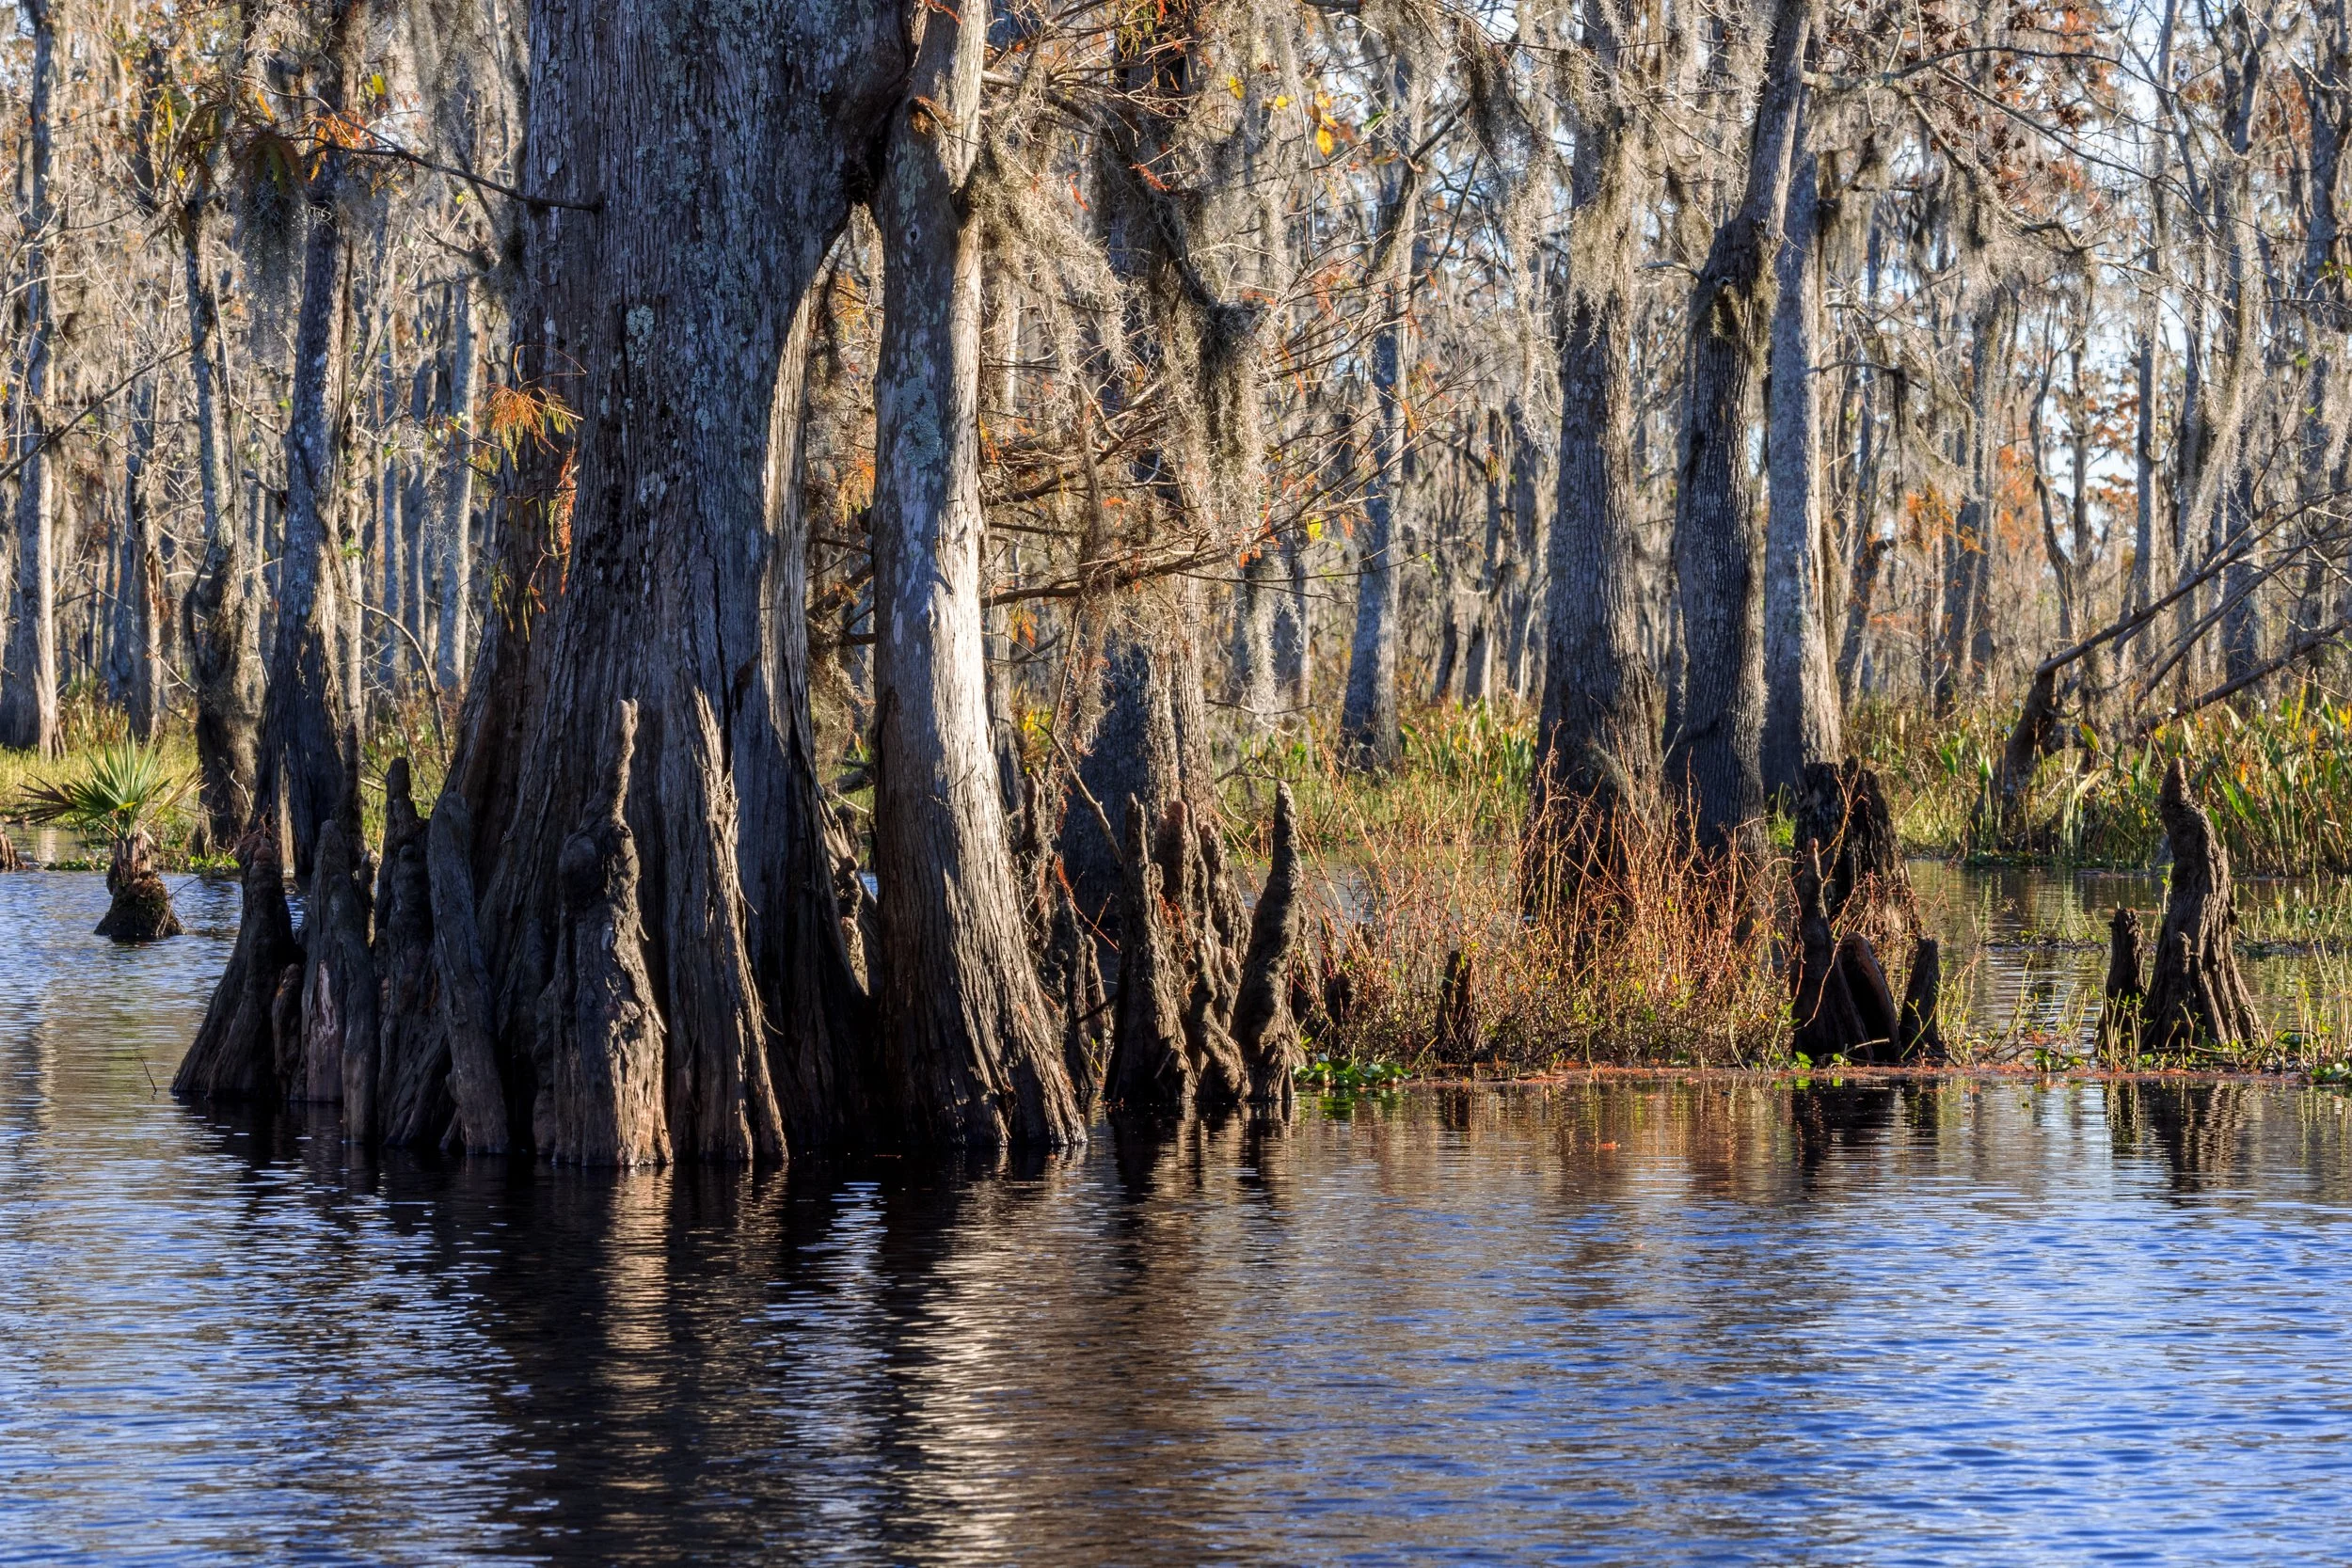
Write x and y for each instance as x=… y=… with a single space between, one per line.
x=338 y=991
x=1719 y=546
x=2120 y=1007
x=396 y=1092
x=235 y=1054
x=309 y=738
x=973 y=1049
x=224 y=659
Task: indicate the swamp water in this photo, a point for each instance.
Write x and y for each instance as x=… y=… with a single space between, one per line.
x=1633 y=1321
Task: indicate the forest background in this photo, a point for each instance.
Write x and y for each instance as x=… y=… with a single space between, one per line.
x=1532 y=433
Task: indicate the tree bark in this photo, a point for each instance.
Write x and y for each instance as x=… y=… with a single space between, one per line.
x=1802 y=721
x=1718 y=546
x=682 y=586
x=28 y=676
x=973 y=1050
x=1598 y=734
x=310 y=739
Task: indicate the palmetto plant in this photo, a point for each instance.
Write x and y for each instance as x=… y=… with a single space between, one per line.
x=122 y=789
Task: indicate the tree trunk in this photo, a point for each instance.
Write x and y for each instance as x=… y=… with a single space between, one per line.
x=973 y=1052
x=28 y=677
x=1802 y=721
x=143 y=555
x=220 y=610
x=1598 y=738
x=236 y=1052
x=310 y=740
x=1368 y=720
x=1719 y=548
x=455 y=555
x=678 y=343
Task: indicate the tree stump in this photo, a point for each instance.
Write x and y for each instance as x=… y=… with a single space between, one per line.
x=399 y=1093
x=1843 y=1003
x=9 y=860
x=2120 y=1008
x=2196 y=995
x=141 y=910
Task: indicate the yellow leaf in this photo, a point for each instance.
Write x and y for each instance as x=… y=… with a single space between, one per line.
x=1282 y=101
x=1235 y=83
x=1323 y=140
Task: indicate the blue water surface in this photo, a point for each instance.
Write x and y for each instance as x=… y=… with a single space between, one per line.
x=1622 y=1322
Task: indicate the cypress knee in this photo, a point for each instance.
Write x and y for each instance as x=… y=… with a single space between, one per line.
x=2120 y=1008
x=2196 y=995
x=1918 y=1037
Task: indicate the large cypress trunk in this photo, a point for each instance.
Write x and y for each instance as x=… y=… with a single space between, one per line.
x=974 y=1052
x=28 y=677
x=682 y=590
x=1599 y=743
x=1719 y=546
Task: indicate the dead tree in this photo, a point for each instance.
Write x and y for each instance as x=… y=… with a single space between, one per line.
x=2196 y=995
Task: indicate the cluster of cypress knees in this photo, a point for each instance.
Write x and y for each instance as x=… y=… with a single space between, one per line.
x=1849 y=876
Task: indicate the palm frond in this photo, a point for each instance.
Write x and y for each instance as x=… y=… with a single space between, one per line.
x=123 y=788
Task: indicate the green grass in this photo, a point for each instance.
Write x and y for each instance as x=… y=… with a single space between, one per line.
x=2277 y=781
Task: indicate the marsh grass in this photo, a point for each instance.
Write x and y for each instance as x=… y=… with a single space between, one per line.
x=1665 y=960
x=2277 y=781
